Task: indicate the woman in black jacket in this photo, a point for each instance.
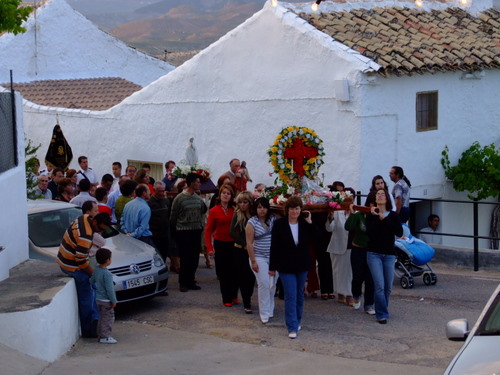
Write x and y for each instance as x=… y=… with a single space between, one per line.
x=382 y=225
x=290 y=257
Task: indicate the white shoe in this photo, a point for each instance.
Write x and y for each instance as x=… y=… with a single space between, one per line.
x=357 y=304
x=370 y=311
x=107 y=340
x=292 y=335
x=264 y=321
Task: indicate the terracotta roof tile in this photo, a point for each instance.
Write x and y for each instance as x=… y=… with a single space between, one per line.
x=96 y=94
x=410 y=41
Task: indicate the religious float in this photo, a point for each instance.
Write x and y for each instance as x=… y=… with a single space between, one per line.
x=296 y=156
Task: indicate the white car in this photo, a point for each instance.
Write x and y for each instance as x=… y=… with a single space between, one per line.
x=480 y=354
x=138 y=270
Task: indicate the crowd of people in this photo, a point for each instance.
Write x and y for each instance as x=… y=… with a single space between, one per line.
x=347 y=255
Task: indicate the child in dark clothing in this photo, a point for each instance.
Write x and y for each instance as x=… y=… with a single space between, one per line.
x=105 y=296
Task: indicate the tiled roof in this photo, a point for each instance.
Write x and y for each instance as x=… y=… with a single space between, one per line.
x=408 y=41
x=96 y=94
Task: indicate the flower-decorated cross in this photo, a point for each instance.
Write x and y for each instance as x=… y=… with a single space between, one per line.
x=298 y=152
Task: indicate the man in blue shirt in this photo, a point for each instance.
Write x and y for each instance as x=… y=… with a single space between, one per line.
x=136 y=215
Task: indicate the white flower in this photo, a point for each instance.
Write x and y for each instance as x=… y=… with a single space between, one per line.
x=348 y=193
x=316 y=140
x=308 y=135
x=281 y=199
x=282 y=166
x=301 y=132
x=290 y=190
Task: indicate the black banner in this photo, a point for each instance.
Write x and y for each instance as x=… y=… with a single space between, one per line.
x=59 y=153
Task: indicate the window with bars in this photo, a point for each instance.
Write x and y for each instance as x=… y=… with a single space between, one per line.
x=427 y=110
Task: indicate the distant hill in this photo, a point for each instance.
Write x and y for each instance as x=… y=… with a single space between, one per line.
x=174 y=25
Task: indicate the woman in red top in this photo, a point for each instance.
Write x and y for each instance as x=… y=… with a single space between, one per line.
x=218 y=228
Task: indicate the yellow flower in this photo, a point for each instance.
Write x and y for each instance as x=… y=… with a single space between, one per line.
x=279 y=136
x=306 y=167
x=274 y=157
x=290 y=128
x=288 y=166
x=274 y=149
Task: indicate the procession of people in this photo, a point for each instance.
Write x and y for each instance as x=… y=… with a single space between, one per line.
x=286 y=251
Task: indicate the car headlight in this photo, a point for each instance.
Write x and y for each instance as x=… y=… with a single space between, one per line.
x=158 y=262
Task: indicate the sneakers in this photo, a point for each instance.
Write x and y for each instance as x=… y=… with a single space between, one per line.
x=292 y=335
x=107 y=340
x=370 y=311
x=356 y=304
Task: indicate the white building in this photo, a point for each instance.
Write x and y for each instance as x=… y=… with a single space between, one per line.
x=354 y=73
x=60 y=43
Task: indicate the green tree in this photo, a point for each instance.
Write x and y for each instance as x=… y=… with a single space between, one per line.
x=31 y=165
x=477 y=171
x=12 y=15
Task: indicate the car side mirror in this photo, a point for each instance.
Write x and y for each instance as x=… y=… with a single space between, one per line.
x=457 y=329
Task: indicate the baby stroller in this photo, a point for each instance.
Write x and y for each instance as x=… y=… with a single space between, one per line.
x=412 y=257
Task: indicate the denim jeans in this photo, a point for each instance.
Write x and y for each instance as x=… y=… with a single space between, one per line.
x=293 y=285
x=382 y=270
x=87 y=306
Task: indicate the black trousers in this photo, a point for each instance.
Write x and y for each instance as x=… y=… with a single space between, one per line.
x=322 y=256
x=361 y=274
x=189 y=245
x=226 y=270
x=245 y=275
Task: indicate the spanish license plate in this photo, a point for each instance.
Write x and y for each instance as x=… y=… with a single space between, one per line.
x=140 y=281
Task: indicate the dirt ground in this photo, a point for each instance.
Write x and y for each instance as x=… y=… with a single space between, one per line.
x=414 y=334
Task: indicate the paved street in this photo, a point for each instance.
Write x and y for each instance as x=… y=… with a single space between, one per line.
x=192 y=333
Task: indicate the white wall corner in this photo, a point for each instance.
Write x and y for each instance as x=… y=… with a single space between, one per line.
x=341 y=89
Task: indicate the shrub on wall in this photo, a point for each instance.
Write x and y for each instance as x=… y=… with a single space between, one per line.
x=477 y=171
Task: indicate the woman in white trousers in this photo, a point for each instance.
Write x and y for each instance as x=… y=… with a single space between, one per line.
x=258 y=238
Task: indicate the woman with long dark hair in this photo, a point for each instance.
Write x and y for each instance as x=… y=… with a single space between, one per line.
x=258 y=239
x=382 y=225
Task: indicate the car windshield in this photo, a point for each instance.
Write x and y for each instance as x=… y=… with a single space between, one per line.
x=46 y=229
x=491 y=322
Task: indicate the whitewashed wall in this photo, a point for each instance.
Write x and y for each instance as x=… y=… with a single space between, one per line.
x=60 y=43
x=45 y=333
x=14 y=220
x=468 y=111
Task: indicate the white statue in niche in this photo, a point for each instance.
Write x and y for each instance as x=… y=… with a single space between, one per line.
x=191 y=153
